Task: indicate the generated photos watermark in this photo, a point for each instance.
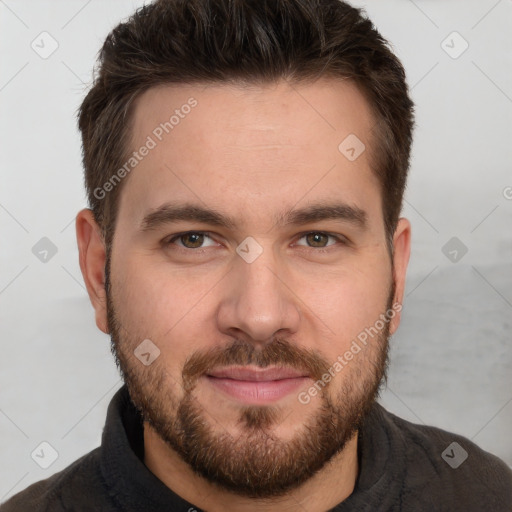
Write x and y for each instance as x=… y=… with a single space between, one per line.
x=357 y=345
x=157 y=135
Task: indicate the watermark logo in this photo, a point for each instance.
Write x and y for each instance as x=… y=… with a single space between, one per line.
x=454 y=45
x=351 y=147
x=454 y=455
x=146 y=352
x=44 y=455
x=454 y=249
x=44 y=250
x=249 y=249
x=44 y=45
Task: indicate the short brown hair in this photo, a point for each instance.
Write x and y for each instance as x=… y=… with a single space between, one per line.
x=242 y=41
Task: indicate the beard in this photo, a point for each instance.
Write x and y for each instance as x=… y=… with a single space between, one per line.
x=256 y=463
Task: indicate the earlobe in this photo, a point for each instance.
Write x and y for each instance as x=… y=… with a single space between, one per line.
x=92 y=258
x=401 y=254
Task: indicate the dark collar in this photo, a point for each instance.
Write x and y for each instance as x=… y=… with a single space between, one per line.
x=131 y=484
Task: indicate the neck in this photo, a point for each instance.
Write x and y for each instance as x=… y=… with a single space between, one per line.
x=326 y=489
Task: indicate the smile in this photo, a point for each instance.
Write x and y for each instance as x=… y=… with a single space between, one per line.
x=256 y=386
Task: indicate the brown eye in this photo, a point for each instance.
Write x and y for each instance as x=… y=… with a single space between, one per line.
x=321 y=240
x=192 y=240
x=317 y=239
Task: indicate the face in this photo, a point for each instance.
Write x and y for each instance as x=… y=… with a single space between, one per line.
x=251 y=252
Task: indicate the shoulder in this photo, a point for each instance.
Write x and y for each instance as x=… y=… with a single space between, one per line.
x=452 y=467
x=80 y=483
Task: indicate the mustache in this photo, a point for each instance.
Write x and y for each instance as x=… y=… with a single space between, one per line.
x=278 y=352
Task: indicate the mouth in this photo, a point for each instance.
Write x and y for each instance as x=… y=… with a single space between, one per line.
x=253 y=385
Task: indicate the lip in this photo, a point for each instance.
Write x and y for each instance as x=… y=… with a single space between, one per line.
x=246 y=373
x=256 y=386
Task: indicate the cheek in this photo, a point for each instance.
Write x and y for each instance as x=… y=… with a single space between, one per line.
x=167 y=306
x=351 y=303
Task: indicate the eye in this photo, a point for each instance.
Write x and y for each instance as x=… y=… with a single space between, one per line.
x=190 y=240
x=319 y=239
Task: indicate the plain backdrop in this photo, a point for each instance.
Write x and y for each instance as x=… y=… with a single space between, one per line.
x=451 y=359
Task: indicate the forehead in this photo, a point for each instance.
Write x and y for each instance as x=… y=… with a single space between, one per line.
x=231 y=146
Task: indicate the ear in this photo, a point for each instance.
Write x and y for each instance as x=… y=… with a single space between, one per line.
x=92 y=255
x=401 y=253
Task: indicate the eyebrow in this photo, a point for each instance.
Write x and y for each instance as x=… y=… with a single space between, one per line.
x=169 y=213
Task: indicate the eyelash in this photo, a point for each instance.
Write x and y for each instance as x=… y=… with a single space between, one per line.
x=339 y=238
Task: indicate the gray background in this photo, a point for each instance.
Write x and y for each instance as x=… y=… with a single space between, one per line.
x=451 y=359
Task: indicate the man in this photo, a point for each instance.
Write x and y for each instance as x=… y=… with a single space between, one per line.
x=245 y=164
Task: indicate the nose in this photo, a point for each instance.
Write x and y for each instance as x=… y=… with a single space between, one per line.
x=258 y=302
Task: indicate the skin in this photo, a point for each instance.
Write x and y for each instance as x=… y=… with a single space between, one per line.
x=250 y=153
